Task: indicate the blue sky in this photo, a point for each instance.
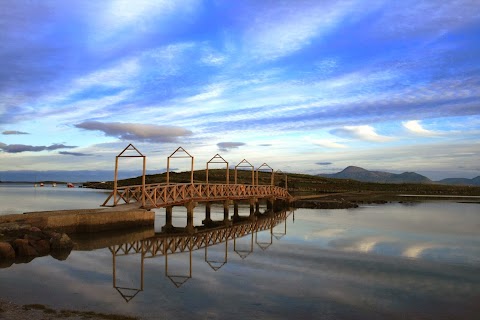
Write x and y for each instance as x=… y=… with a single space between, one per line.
x=305 y=86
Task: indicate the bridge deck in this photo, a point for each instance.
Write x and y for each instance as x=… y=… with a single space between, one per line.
x=162 y=195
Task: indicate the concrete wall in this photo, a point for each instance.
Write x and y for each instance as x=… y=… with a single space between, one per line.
x=83 y=221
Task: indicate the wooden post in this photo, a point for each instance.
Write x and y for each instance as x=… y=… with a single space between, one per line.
x=226 y=209
x=190 y=207
x=115 y=182
x=191 y=172
x=168 y=170
x=143 y=180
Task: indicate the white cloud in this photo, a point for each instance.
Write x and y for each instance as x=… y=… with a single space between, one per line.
x=212 y=91
x=116 y=75
x=365 y=132
x=280 y=30
x=136 y=16
x=426 y=17
x=415 y=127
x=326 y=143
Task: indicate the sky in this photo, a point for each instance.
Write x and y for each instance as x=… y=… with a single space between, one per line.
x=303 y=86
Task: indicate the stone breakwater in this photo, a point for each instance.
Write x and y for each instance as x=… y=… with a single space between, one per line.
x=24 y=237
x=21 y=245
x=83 y=220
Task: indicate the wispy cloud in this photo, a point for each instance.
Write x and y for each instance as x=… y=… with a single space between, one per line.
x=13 y=132
x=277 y=30
x=136 y=131
x=76 y=154
x=326 y=143
x=17 y=148
x=324 y=163
x=365 y=133
x=227 y=146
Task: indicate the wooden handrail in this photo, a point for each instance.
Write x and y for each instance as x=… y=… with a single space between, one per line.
x=158 y=195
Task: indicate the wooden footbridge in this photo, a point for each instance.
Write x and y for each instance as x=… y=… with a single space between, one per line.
x=171 y=194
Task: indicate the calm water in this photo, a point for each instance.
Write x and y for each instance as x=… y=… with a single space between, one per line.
x=22 y=197
x=379 y=262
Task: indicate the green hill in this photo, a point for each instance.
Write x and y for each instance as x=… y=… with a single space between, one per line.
x=300 y=185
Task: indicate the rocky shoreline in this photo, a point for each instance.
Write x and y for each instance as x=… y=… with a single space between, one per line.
x=23 y=244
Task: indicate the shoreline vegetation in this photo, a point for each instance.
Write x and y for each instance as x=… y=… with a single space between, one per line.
x=318 y=192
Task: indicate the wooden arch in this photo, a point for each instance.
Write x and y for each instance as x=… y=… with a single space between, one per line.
x=264 y=165
x=218 y=159
x=122 y=154
x=284 y=175
x=185 y=155
x=245 y=164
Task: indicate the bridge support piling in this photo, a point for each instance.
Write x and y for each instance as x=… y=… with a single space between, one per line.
x=257 y=207
x=190 y=206
x=253 y=207
x=235 y=210
x=168 y=219
x=226 y=210
x=208 y=210
x=270 y=203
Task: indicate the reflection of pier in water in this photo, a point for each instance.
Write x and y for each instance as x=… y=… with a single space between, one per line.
x=167 y=244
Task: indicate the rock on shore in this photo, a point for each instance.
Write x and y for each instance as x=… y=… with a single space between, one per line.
x=23 y=245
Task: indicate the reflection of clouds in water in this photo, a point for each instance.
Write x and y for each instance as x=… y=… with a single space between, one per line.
x=416 y=250
x=435 y=231
x=325 y=233
x=366 y=244
x=425 y=218
x=389 y=246
x=364 y=283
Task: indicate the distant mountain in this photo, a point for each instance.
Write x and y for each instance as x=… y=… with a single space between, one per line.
x=360 y=174
x=461 y=181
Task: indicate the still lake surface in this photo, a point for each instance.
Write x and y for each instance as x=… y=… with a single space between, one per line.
x=394 y=261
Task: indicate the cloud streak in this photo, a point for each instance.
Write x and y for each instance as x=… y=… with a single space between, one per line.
x=18 y=148
x=365 y=133
x=13 y=132
x=76 y=154
x=136 y=131
x=227 y=146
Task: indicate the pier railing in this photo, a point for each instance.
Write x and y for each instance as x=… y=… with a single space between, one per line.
x=162 y=195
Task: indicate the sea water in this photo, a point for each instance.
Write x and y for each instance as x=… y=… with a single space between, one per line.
x=393 y=261
x=26 y=197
